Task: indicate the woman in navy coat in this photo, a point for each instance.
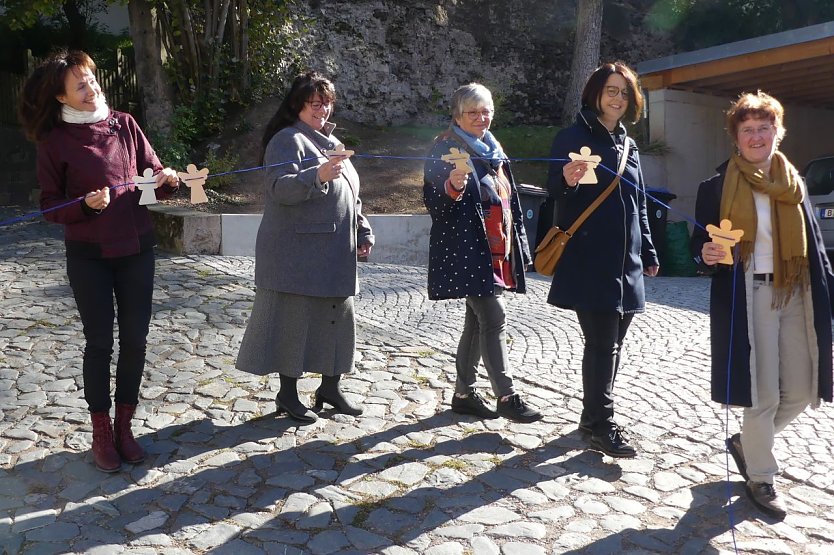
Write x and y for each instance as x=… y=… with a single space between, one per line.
x=477 y=249
x=600 y=275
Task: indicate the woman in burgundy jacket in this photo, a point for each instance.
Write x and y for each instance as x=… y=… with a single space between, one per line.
x=88 y=153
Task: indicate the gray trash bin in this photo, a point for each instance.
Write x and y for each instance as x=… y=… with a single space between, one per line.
x=531 y=197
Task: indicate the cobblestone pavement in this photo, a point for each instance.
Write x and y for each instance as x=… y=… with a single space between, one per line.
x=225 y=475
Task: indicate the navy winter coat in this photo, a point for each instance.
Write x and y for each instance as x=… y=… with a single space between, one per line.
x=602 y=266
x=722 y=311
x=460 y=263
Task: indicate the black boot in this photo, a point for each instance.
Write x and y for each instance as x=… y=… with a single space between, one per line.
x=287 y=401
x=329 y=393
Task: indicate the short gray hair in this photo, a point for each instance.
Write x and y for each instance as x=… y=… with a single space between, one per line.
x=470 y=96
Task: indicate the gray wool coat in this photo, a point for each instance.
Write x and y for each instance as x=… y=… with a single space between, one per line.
x=307 y=240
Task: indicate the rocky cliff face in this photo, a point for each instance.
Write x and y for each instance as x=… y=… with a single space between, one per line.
x=398 y=61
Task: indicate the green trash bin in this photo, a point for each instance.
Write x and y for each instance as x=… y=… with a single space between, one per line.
x=676 y=259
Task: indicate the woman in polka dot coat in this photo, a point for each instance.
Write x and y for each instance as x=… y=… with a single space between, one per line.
x=477 y=249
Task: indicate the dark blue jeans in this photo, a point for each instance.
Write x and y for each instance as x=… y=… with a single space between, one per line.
x=604 y=333
x=94 y=283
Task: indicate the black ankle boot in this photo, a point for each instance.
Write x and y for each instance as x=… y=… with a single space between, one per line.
x=287 y=401
x=330 y=393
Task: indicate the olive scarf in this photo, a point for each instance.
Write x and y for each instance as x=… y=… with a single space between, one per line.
x=790 y=245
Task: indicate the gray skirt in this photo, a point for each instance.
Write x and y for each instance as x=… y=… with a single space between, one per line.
x=293 y=334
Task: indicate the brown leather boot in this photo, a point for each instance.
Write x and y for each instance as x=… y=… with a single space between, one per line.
x=104 y=450
x=126 y=445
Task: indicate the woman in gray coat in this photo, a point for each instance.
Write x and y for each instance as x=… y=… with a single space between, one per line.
x=308 y=243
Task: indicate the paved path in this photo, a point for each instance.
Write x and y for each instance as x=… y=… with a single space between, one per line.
x=225 y=475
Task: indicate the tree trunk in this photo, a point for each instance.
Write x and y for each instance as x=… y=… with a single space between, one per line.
x=245 y=67
x=77 y=24
x=585 y=55
x=154 y=92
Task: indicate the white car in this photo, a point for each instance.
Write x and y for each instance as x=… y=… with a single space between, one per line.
x=819 y=178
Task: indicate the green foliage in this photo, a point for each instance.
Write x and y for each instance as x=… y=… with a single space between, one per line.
x=176 y=149
x=20 y=14
x=695 y=24
x=171 y=152
x=276 y=35
x=221 y=164
x=43 y=35
x=224 y=83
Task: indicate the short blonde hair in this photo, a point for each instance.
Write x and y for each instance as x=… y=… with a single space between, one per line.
x=470 y=96
x=756 y=105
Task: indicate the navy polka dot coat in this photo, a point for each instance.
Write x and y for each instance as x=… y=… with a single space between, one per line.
x=460 y=263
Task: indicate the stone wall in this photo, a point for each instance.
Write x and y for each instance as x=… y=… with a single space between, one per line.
x=397 y=62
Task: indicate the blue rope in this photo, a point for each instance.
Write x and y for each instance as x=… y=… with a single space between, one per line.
x=730 y=514
x=113 y=187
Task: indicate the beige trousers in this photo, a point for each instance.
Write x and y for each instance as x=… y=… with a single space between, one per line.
x=783 y=378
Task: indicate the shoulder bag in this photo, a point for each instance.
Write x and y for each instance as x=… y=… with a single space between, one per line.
x=554 y=242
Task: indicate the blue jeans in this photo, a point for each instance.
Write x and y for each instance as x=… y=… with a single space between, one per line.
x=94 y=283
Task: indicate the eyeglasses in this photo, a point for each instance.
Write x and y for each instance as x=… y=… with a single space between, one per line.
x=613 y=91
x=752 y=131
x=475 y=115
x=318 y=105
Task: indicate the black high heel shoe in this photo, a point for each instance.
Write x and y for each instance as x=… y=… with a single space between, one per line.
x=295 y=411
x=337 y=401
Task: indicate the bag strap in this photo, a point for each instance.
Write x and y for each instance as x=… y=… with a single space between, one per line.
x=593 y=206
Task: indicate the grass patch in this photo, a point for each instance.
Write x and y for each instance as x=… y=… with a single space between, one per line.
x=521 y=141
x=455 y=464
x=528 y=141
x=495 y=460
x=418 y=444
x=365 y=509
x=420 y=133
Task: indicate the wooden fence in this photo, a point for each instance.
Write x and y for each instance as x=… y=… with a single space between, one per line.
x=119 y=86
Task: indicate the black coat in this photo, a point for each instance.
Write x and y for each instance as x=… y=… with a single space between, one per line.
x=722 y=311
x=602 y=266
x=460 y=262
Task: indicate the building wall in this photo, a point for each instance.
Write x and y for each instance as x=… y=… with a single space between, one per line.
x=692 y=126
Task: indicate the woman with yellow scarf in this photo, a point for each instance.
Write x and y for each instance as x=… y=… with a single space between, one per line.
x=776 y=359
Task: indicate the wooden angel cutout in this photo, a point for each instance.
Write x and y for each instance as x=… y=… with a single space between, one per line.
x=725 y=236
x=195 y=179
x=339 y=151
x=593 y=160
x=147 y=184
x=458 y=158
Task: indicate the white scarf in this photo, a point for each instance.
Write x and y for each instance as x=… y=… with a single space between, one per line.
x=71 y=115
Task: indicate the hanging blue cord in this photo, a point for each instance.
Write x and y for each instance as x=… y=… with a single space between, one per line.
x=730 y=514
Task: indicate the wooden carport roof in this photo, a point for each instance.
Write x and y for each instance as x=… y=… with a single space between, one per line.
x=797 y=67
